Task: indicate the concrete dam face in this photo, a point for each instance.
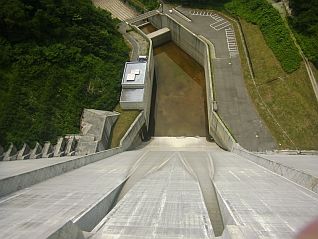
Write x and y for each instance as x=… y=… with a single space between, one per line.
x=167 y=187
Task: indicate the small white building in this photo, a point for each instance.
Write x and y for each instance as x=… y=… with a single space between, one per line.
x=133 y=84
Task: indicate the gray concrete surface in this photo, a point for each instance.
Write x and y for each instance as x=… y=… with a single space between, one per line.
x=302 y=173
x=160 y=37
x=234 y=103
x=40 y=210
x=268 y=205
x=305 y=163
x=169 y=194
x=11 y=169
x=156 y=208
x=202 y=165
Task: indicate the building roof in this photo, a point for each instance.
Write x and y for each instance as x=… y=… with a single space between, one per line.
x=134 y=75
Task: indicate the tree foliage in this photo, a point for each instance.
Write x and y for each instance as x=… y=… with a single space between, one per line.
x=56 y=58
x=305 y=23
x=143 y=5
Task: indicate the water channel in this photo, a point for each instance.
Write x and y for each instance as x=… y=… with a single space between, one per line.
x=179 y=109
x=179 y=98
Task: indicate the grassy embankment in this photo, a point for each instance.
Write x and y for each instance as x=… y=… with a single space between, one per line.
x=123 y=123
x=289 y=97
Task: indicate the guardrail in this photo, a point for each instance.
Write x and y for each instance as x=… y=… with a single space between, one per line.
x=297 y=176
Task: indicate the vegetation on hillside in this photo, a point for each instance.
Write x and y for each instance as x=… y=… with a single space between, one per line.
x=304 y=22
x=56 y=58
x=261 y=13
x=289 y=97
x=143 y=5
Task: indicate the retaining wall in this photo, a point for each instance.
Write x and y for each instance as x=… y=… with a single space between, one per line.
x=202 y=51
x=148 y=78
x=20 y=181
x=160 y=37
x=301 y=178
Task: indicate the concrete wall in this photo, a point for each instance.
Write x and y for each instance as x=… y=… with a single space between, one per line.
x=201 y=50
x=149 y=78
x=304 y=179
x=18 y=182
x=160 y=37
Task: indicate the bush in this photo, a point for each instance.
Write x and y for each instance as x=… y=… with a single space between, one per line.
x=273 y=28
x=144 y=5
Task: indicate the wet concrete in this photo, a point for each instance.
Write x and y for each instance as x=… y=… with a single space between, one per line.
x=180 y=97
x=148 y=28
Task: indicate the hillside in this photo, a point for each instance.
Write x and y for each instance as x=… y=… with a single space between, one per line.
x=56 y=58
x=304 y=21
x=280 y=88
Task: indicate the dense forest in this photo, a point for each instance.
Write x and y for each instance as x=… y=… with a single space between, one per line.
x=261 y=13
x=56 y=58
x=304 y=21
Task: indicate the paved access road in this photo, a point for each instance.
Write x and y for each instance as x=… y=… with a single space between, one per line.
x=235 y=106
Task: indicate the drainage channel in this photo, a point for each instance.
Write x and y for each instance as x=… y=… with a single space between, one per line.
x=179 y=109
x=200 y=165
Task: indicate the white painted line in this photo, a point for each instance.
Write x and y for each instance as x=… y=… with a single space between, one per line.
x=220 y=28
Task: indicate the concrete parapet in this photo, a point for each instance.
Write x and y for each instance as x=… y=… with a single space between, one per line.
x=99 y=124
x=86 y=147
x=301 y=178
x=148 y=79
x=11 y=153
x=71 y=145
x=48 y=150
x=67 y=231
x=93 y=215
x=24 y=153
x=12 y=184
x=60 y=147
x=160 y=36
x=36 y=152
